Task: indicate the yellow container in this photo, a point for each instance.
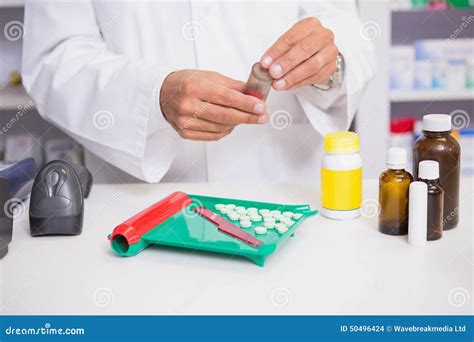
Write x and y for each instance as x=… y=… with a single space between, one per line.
x=341 y=176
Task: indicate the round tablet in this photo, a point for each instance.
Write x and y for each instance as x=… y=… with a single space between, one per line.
x=288 y=214
x=269 y=219
x=244 y=217
x=275 y=212
x=256 y=218
x=245 y=223
x=266 y=215
x=224 y=210
x=230 y=206
x=264 y=211
x=260 y=230
x=289 y=222
x=252 y=210
x=233 y=216
x=282 y=230
x=278 y=217
x=269 y=225
x=240 y=209
x=297 y=216
x=280 y=226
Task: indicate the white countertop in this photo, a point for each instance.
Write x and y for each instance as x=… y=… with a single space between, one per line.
x=329 y=267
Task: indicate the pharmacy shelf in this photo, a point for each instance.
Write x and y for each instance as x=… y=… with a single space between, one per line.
x=431 y=95
x=11 y=3
x=426 y=24
x=13 y=98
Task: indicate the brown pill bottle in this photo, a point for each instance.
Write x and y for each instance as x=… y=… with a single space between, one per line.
x=429 y=174
x=439 y=145
x=259 y=82
x=393 y=194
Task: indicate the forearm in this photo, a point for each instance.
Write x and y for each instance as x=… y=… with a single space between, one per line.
x=106 y=101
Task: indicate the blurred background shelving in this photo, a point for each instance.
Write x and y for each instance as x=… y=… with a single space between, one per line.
x=12 y=98
x=431 y=95
x=388 y=115
x=11 y=3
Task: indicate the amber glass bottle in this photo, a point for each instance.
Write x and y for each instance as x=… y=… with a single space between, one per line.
x=429 y=173
x=438 y=144
x=393 y=194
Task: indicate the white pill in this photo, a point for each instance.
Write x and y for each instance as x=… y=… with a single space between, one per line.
x=260 y=230
x=252 y=210
x=278 y=217
x=269 y=225
x=230 y=206
x=269 y=219
x=288 y=214
x=240 y=209
x=275 y=212
x=233 y=216
x=280 y=226
x=245 y=223
x=263 y=211
x=244 y=217
x=256 y=218
x=224 y=211
x=282 y=230
x=266 y=215
x=289 y=222
x=219 y=206
x=297 y=216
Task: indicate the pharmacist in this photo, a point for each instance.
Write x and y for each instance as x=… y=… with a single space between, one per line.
x=155 y=88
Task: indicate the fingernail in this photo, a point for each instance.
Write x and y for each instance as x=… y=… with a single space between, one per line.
x=276 y=70
x=259 y=108
x=280 y=84
x=266 y=61
x=263 y=119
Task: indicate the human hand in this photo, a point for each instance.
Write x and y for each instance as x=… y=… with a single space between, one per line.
x=304 y=55
x=205 y=105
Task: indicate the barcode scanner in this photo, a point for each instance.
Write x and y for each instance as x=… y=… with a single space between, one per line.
x=6 y=219
x=57 y=199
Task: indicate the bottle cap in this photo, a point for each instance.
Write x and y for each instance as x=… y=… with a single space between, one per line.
x=428 y=169
x=396 y=158
x=402 y=125
x=437 y=123
x=341 y=142
x=417 y=213
x=260 y=73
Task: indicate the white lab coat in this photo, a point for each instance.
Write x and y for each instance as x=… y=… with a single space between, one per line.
x=95 y=69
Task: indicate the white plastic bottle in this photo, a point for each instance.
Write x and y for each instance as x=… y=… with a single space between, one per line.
x=341 y=176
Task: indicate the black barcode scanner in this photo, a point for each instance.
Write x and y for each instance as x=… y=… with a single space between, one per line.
x=6 y=219
x=57 y=199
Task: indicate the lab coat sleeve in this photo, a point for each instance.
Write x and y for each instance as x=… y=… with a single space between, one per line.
x=334 y=109
x=106 y=101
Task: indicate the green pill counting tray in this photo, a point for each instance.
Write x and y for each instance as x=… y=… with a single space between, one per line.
x=237 y=227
